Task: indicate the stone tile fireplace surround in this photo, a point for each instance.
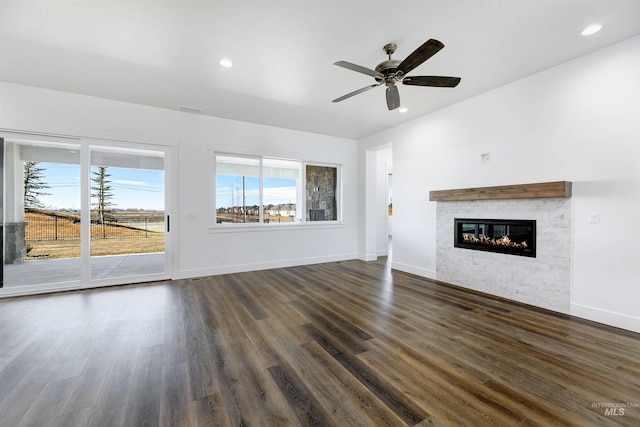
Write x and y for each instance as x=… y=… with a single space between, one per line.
x=543 y=281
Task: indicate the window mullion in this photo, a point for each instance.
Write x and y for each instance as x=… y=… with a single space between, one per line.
x=302 y=209
x=260 y=194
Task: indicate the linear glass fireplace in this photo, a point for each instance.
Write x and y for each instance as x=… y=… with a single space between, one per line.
x=508 y=236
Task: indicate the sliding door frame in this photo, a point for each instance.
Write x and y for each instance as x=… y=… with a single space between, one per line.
x=169 y=153
x=85 y=282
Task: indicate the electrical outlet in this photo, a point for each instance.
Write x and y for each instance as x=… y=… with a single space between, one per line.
x=594 y=217
x=485 y=158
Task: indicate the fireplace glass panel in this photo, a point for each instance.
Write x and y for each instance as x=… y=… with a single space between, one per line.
x=516 y=237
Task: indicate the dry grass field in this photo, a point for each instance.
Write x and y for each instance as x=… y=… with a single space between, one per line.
x=54 y=249
x=61 y=239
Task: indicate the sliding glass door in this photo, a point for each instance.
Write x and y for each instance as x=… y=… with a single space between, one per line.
x=41 y=206
x=128 y=218
x=79 y=214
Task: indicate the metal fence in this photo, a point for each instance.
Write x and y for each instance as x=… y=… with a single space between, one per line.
x=43 y=228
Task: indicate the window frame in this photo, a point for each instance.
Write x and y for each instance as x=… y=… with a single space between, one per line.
x=337 y=191
x=299 y=189
x=301 y=203
x=215 y=191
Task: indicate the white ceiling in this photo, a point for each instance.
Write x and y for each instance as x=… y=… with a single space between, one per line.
x=166 y=53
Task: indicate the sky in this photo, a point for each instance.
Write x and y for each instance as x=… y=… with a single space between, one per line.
x=132 y=188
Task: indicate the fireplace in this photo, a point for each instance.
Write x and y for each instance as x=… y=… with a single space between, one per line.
x=508 y=236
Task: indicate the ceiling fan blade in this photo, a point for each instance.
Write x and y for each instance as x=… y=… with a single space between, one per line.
x=435 y=81
x=421 y=54
x=358 y=68
x=393 y=97
x=355 y=92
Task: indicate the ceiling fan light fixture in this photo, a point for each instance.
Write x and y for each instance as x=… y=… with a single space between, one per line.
x=226 y=63
x=591 y=29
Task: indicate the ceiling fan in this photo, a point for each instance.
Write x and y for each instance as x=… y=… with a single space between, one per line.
x=393 y=71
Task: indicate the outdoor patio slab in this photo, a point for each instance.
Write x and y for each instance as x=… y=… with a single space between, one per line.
x=67 y=270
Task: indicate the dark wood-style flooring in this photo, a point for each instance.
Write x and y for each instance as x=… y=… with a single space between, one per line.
x=337 y=344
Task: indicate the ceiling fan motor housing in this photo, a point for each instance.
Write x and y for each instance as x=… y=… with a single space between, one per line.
x=389 y=71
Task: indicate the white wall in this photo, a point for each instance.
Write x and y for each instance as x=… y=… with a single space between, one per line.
x=580 y=122
x=200 y=249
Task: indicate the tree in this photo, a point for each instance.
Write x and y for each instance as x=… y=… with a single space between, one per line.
x=34 y=185
x=102 y=194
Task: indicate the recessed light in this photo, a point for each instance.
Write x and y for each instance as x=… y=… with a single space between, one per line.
x=591 y=29
x=403 y=110
x=225 y=62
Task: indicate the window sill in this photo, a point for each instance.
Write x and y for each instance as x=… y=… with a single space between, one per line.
x=243 y=228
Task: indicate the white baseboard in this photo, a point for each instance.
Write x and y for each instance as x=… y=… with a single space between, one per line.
x=240 y=268
x=367 y=257
x=418 y=271
x=618 y=320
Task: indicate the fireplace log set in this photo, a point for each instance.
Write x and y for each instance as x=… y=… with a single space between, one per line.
x=502 y=241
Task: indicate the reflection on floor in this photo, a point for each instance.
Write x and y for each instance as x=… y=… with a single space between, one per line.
x=68 y=270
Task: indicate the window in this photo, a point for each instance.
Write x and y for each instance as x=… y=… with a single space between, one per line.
x=321 y=193
x=280 y=190
x=237 y=189
x=268 y=191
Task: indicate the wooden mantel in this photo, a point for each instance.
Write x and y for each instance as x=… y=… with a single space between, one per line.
x=522 y=191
